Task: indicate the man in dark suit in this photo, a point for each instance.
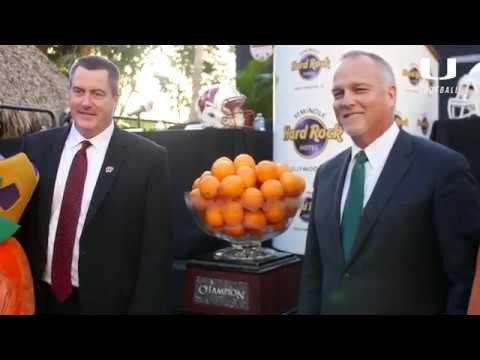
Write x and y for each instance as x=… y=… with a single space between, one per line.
x=97 y=231
x=395 y=219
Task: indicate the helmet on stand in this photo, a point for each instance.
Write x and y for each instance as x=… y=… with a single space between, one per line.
x=467 y=101
x=222 y=106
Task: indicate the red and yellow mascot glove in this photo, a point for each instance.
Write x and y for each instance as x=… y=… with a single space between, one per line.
x=18 y=179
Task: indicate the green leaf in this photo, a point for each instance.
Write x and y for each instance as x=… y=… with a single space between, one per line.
x=7 y=229
x=256 y=83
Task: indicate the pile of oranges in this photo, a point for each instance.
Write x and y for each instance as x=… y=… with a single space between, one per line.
x=241 y=197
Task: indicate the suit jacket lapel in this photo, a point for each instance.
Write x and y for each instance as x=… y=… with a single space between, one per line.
x=47 y=178
x=398 y=162
x=111 y=166
x=337 y=198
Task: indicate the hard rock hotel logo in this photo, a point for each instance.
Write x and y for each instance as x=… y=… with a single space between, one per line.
x=414 y=76
x=310 y=135
x=310 y=64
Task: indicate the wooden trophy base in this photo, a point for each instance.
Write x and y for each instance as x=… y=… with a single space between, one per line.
x=227 y=287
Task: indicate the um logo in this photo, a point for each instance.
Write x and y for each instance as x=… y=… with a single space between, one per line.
x=426 y=73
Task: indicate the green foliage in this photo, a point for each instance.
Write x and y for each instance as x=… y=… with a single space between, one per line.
x=128 y=58
x=63 y=56
x=175 y=91
x=256 y=82
x=182 y=57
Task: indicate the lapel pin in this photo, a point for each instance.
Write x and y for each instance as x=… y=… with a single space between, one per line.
x=109 y=169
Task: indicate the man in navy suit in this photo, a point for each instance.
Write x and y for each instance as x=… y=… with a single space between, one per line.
x=395 y=221
x=97 y=231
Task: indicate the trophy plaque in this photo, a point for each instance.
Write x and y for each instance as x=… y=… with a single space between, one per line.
x=258 y=287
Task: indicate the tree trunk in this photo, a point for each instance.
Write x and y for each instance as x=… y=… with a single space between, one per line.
x=196 y=80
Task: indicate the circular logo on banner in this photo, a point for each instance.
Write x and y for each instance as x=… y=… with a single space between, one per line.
x=310 y=64
x=423 y=124
x=310 y=135
x=413 y=74
x=401 y=120
x=311 y=70
x=310 y=146
x=306 y=208
x=261 y=52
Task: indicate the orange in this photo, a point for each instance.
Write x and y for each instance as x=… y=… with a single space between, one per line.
x=272 y=189
x=198 y=202
x=293 y=203
x=279 y=226
x=215 y=203
x=255 y=221
x=232 y=212
x=222 y=168
x=244 y=160
x=209 y=186
x=252 y=199
x=213 y=217
x=266 y=170
x=223 y=158
x=196 y=183
x=205 y=173
x=275 y=211
x=293 y=184
x=257 y=233
x=248 y=175
x=231 y=187
x=281 y=168
x=234 y=230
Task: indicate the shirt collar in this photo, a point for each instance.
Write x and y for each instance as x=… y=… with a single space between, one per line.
x=378 y=150
x=99 y=141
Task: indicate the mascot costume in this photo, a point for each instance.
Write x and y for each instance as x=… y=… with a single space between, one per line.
x=18 y=179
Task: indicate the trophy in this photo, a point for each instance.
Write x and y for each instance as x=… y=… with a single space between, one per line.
x=244 y=204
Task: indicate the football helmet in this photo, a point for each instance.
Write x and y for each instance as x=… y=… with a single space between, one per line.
x=467 y=101
x=222 y=106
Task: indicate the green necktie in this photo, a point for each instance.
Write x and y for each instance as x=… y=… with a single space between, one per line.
x=354 y=204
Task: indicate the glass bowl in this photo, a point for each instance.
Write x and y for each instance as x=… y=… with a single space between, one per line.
x=248 y=245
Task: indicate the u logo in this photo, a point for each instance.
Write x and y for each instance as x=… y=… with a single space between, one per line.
x=427 y=75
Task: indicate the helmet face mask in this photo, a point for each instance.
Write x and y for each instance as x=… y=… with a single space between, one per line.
x=467 y=101
x=222 y=106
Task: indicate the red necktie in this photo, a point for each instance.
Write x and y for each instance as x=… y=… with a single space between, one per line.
x=67 y=225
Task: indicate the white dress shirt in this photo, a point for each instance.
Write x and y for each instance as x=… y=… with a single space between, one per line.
x=95 y=156
x=377 y=153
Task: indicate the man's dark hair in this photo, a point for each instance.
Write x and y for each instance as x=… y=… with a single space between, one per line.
x=93 y=62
